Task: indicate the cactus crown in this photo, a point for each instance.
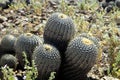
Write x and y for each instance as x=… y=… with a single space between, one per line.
x=62 y=16
x=10 y=36
x=47 y=47
x=28 y=34
x=7 y=37
x=87 y=41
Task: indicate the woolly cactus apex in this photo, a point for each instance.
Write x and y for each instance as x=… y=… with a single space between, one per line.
x=59 y=30
x=8 y=60
x=47 y=60
x=91 y=37
x=26 y=43
x=80 y=57
x=7 y=43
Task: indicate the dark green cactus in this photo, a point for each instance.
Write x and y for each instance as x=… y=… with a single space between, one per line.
x=8 y=60
x=59 y=30
x=26 y=43
x=7 y=43
x=47 y=59
x=117 y=3
x=80 y=57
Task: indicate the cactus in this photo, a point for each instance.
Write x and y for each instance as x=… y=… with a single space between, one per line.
x=59 y=30
x=8 y=60
x=26 y=43
x=47 y=59
x=7 y=43
x=117 y=3
x=80 y=57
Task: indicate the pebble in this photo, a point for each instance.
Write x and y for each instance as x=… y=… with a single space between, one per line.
x=1 y=26
x=2 y=19
x=108 y=78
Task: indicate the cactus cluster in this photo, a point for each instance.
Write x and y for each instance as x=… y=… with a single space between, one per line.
x=7 y=53
x=61 y=52
x=79 y=58
x=59 y=30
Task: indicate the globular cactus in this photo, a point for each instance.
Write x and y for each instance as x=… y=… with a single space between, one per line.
x=8 y=60
x=7 y=43
x=47 y=59
x=117 y=3
x=59 y=30
x=26 y=43
x=80 y=57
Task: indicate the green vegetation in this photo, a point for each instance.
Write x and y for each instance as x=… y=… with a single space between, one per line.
x=114 y=51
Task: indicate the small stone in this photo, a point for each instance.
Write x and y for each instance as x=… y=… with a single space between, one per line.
x=37 y=27
x=108 y=78
x=1 y=26
x=7 y=24
x=11 y=17
x=117 y=20
x=2 y=19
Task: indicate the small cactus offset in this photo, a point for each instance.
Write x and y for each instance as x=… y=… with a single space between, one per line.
x=26 y=43
x=80 y=57
x=7 y=42
x=59 y=30
x=8 y=60
x=47 y=59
